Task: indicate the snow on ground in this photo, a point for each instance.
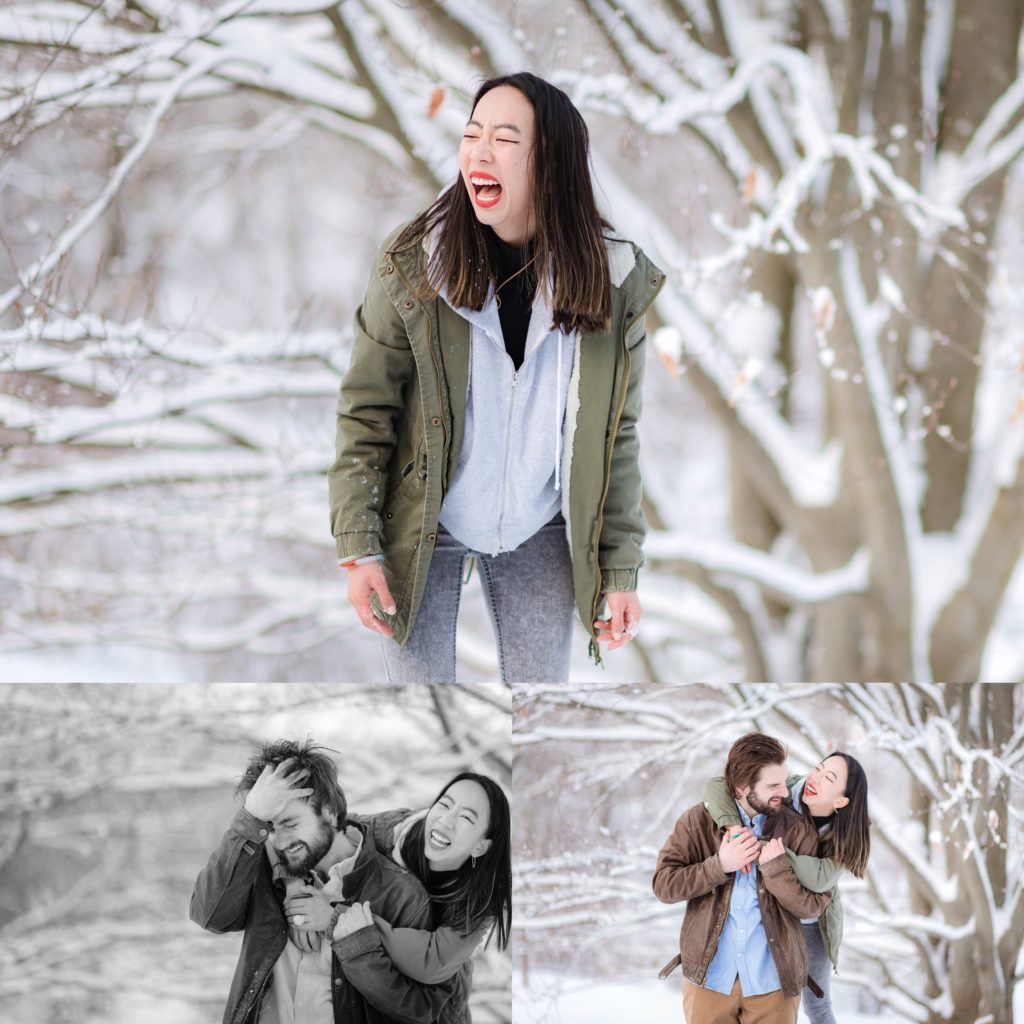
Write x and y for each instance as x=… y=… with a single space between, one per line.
x=550 y=998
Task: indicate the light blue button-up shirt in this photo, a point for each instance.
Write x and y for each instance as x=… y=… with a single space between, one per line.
x=743 y=946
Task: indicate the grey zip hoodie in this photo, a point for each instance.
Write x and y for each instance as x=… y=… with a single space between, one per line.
x=509 y=478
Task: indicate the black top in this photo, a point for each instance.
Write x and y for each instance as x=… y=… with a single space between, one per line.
x=515 y=290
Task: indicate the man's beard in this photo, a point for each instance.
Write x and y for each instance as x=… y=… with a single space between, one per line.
x=298 y=864
x=763 y=807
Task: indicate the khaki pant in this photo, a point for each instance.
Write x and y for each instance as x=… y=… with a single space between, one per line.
x=703 y=1006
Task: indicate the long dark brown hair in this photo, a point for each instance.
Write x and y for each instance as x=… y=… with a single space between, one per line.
x=848 y=838
x=569 y=230
x=471 y=895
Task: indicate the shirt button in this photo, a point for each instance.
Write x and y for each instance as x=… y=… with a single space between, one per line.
x=435 y=421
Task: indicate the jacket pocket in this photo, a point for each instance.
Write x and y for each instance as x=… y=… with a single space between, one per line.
x=414 y=471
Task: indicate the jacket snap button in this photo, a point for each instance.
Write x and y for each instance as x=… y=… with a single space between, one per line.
x=408 y=303
x=435 y=421
x=431 y=537
x=389 y=269
x=390 y=515
x=337 y=982
x=630 y=315
x=263 y=832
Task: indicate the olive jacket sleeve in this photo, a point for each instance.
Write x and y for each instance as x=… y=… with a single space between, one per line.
x=371 y=398
x=719 y=803
x=429 y=956
x=620 y=548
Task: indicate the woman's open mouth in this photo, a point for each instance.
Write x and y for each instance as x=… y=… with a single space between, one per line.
x=438 y=840
x=486 y=189
x=809 y=789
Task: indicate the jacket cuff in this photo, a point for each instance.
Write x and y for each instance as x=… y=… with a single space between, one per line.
x=357 y=943
x=718 y=874
x=618 y=579
x=249 y=827
x=356 y=545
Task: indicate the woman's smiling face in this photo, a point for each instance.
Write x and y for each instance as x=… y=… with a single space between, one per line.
x=496 y=163
x=456 y=826
x=826 y=785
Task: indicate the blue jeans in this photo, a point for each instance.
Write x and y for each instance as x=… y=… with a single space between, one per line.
x=530 y=598
x=819 y=967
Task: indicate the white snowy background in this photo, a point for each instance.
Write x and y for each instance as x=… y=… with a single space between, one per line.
x=113 y=798
x=190 y=194
x=933 y=933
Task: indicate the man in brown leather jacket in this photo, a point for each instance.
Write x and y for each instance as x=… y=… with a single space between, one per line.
x=740 y=945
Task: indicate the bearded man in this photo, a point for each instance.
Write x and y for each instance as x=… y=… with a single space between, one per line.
x=740 y=945
x=288 y=865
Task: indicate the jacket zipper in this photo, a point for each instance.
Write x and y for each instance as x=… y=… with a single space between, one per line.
x=504 y=468
x=430 y=348
x=595 y=647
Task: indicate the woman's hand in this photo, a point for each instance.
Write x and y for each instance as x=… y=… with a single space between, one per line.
x=352 y=919
x=363 y=581
x=623 y=622
x=308 y=909
x=274 y=790
x=771 y=850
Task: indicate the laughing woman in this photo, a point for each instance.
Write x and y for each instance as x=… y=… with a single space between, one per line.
x=834 y=797
x=490 y=407
x=460 y=850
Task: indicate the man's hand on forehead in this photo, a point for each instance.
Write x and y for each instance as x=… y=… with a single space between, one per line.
x=275 y=789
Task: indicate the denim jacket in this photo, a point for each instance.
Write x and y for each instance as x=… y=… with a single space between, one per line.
x=235 y=892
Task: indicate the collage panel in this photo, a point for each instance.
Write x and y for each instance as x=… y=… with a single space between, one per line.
x=695 y=852
x=679 y=337
x=191 y=854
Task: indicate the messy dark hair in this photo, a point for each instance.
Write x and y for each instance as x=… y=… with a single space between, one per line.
x=471 y=895
x=570 y=231
x=321 y=774
x=747 y=756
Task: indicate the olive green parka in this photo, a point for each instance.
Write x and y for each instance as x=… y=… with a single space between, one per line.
x=400 y=420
